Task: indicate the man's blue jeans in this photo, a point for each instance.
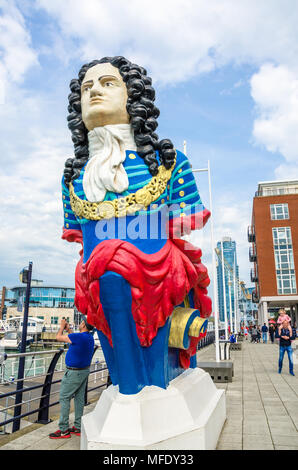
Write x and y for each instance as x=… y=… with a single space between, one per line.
x=282 y=350
x=264 y=337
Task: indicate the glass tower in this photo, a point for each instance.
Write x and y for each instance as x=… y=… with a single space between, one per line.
x=230 y=259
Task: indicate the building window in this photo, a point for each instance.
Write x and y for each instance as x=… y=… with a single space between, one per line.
x=54 y=320
x=63 y=293
x=279 y=211
x=284 y=260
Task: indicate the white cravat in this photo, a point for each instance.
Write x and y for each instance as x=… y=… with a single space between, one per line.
x=104 y=170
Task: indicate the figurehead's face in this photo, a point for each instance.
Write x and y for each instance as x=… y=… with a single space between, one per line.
x=103 y=97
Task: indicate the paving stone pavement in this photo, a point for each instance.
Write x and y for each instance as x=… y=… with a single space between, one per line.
x=262 y=406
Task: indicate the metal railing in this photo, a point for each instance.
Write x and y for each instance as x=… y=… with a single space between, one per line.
x=254 y=275
x=276 y=192
x=252 y=254
x=14 y=413
x=251 y=234
x=209 y=338
x=44 y=402
x=255 y=297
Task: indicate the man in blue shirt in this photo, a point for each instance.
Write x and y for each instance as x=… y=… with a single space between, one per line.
x=77 y=361
x=264 y=333
x=285 y=334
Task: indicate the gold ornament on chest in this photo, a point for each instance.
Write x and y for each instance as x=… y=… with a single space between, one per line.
x=123 y=206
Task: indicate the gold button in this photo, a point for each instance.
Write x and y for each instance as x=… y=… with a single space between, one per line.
x=168 y=197
x=162 y=201
x=182 y=204
x=63 y=197
x=182 y=214
x=181 y=193
x=179 y=171
x=66 y=215
x=64 y=205
x=132 y=156
x=181 y=181
x=168 y=186
x=67 y=225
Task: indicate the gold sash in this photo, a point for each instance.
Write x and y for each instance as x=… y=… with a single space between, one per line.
x=123 y=206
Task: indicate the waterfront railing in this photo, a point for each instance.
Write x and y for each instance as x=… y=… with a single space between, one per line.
x=40 y=391
x=16 y=405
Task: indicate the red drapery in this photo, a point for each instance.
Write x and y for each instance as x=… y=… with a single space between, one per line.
x=158 y=281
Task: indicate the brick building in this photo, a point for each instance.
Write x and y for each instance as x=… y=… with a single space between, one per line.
x=273 y=235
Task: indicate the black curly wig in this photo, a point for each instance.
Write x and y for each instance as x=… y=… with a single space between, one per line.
x=141 y=109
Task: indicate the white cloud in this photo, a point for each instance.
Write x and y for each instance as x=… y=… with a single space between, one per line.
x=16 y=53
x=175 y=40
x=32 y=214
x=178 y=39
x=275 y=92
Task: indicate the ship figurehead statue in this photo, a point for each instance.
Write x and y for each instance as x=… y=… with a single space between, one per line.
x=129 y=198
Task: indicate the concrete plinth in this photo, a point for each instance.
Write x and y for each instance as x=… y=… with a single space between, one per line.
x=188 y=415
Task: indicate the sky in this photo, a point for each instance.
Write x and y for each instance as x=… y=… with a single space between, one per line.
x=226 y=80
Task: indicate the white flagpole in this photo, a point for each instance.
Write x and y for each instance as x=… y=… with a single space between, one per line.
x=230 y=301
x=235 y=295
x=224 y=290
x=215 y=298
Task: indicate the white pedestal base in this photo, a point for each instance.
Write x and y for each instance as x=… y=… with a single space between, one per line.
x=188 y=415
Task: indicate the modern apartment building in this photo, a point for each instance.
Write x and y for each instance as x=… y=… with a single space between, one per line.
x=48 y=302
x=225 y=283
x=273 y=235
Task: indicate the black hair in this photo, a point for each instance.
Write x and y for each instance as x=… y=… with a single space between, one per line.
x=88 y=326
x=140 y=107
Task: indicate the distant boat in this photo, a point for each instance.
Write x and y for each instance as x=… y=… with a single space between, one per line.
x=12 y=340
x=34 y=327
x=13 y=327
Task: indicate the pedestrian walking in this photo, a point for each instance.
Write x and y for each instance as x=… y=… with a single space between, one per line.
x=258 y=334
x=254 y=334
x=246 y=331
x=285 y=334
x=77 y=360
x=271 y=332
x=264 y=333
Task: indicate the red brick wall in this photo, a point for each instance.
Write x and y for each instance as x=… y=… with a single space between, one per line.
x=264 y=241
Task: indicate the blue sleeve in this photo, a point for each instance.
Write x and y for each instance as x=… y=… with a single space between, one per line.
x=183 y=192
x=74 y=338
x=70 y=221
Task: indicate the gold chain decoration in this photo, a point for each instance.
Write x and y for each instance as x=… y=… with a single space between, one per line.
x=123 y=206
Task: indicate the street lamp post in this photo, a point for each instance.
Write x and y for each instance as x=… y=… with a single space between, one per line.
x=215 y=298
x=26 y=278
x=224 y=291
x=230 y=302
x=235 y=296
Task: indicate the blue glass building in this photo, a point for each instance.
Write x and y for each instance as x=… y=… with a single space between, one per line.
x=41 y=296
x=230 y=257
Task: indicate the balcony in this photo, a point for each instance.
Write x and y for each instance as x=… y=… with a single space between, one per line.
x=265 y=192
x=254 y=297
x=254 y=275
x=251 y=234
x=252 y=254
